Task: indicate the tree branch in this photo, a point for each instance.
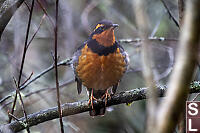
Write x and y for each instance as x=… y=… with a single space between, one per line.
x=56 y=69
x=7 y=9
x=82 y=106
x=137 y=40
x=170 y=14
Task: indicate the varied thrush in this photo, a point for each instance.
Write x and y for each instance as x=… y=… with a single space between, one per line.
x=99 y=64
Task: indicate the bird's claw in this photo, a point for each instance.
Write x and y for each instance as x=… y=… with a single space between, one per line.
x=106 y=96
x=91 y=100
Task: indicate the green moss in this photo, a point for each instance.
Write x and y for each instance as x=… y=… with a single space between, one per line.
x=195 y=85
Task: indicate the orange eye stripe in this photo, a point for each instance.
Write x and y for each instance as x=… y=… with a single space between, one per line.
x=99 y=25
x=86 y=46
x=118 y=51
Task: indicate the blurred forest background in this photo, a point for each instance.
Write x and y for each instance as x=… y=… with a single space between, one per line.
x=77 y=18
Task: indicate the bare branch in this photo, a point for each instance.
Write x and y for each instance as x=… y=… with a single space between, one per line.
x=162 y=39
x=56 y=69
x=36 y=31
x=65 y=62
x=170 y=14
x=7 y=9
x=41 y=90
x=27 y=6
x=13 y=117
x=27 y=79
x=22 y=64
x=46 y=13
x=22 y=105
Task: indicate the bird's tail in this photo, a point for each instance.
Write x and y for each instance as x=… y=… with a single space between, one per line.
x=98 y=111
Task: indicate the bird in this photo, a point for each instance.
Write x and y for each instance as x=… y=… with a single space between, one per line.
x=99 y=64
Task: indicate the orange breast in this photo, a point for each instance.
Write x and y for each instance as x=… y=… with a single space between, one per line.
x=100 y=72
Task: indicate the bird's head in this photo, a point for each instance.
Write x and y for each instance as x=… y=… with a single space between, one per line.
x=104 y=33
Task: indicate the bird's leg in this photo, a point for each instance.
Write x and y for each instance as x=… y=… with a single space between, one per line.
x=106 y=96
x=91 y=99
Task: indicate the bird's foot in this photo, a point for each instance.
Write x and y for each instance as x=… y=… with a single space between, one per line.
x=106 y=96
x=91 y=100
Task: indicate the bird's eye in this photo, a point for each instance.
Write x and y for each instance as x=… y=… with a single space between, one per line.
x=103 y=27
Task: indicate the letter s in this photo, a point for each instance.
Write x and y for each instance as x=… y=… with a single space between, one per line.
x=194 y=109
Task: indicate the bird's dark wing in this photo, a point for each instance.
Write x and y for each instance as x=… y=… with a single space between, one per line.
x=123 y=52
x=79 y=85
x=74 y=65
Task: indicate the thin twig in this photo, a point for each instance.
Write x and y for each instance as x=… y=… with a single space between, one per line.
x=27 y=79
x=137 y=40
x=56 y=69
x=22 y=103
x=36 y=31
x=41 y=90
x=27 y=6
x=23 y=60
x=45 y=11
x=82 y=106
x=6 y=104
x=13 y=116
x=195 y=84
x=66 y=62
x=194 y=99
x=5 y=98
x=170 y=14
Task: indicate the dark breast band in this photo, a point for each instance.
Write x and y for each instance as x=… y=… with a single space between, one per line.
x=100 y=49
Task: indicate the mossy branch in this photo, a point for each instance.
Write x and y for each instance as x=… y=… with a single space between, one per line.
x=82 y=106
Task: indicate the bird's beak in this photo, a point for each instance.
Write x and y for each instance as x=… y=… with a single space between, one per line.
x=115 y=25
